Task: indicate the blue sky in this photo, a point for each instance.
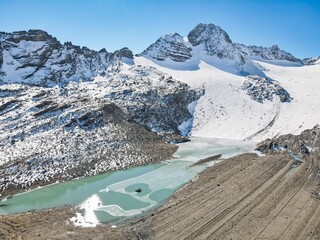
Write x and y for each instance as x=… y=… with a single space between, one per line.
x=293 y=25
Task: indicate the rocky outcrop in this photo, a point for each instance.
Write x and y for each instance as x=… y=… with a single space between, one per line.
x=303 y=145
x=118 y=55
x=170 y=46
x=35 y=35
x=263 y=89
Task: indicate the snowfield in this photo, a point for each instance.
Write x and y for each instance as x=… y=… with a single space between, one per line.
x=227 y=111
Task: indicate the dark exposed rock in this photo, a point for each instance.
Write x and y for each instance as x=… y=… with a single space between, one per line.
x=304 y=149
x=103 y=50
x=31 y=35
x=299 y=145
x=1 y=55
x=7 y=104
x=262 y=89
x=39 y=95
x=169 y=46
x=123 y=52
x=203 y=32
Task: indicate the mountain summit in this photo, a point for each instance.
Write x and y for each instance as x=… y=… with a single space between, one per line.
x=35 y=57
x=209 y=42
x=215 y=41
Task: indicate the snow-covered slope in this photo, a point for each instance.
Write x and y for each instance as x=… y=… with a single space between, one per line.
x=283 y=100
x=247 y=92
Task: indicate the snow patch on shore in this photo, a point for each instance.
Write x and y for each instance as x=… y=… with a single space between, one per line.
x=87 y=217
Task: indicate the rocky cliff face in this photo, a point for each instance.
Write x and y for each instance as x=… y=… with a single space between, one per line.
x=35 y=57
x=267 y=53
x=171 y=46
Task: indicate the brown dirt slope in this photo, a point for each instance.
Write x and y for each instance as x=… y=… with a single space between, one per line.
x=245 y=197
x=53 y=225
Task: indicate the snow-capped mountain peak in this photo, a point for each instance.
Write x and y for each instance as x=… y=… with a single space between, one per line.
x=204 y=40
x=216 y=42
x=210 y=43
x=208 y=32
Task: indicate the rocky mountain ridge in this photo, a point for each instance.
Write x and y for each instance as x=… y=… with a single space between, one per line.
x=35 y=57
x=311 y=61
x=207 y=40
x=267 y=53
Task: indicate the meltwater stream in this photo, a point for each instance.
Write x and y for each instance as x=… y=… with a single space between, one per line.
x=113 y=197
